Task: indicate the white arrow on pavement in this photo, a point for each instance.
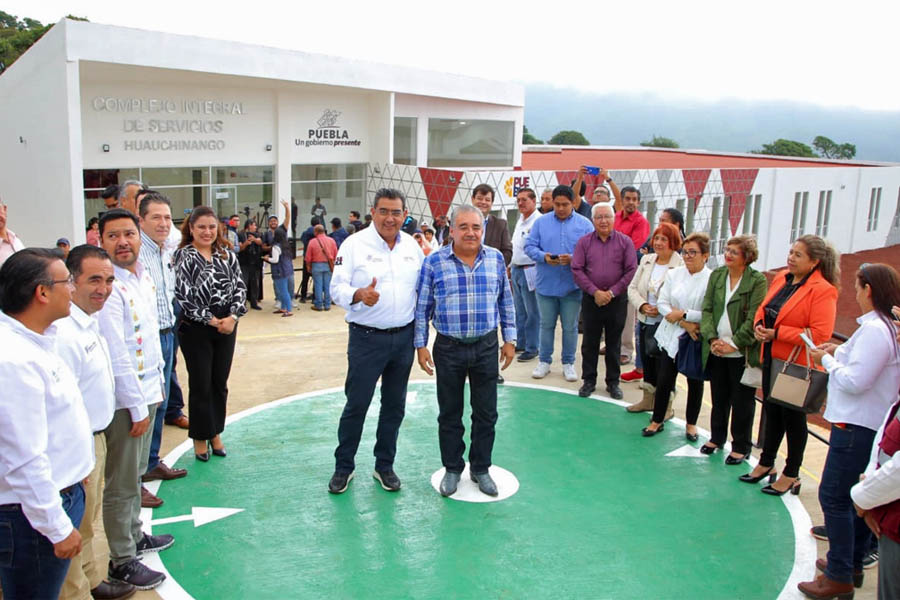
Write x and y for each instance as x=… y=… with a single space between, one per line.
x=200 y=515
x=687 y=451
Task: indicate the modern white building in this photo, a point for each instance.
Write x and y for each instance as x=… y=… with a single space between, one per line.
x=234 y=126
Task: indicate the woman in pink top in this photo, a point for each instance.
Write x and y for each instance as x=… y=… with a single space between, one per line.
x=320 y=254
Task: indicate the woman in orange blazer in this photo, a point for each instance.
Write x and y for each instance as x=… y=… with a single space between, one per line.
x=802 y=297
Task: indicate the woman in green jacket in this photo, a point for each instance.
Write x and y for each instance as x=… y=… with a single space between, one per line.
x=729 y=346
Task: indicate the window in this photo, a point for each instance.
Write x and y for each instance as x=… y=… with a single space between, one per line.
x=405 y=140
x=798 y=222
x=689 y=219
x=651 y=214
x=874 y=209
x=719 y=225
x=823 y=213
x=679 y=205
x=340 y=187
x=456 y=143
x=897 y=212
x=751 y=215
x=97 y=179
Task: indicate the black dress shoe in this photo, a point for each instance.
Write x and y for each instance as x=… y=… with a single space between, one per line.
x=732 y=460
x=485 y=483
x=202 y=457
x=708 y=450
x=220 y=452
x=587 y=389
x=748 y=478
x=691 y=437
x=794 y=489
x=500 y=379
x=647 y=432
x=107 y=590
x=449 y=483
x=614 y=391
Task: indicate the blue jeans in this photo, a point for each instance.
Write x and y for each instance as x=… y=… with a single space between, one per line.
x=848 y=535
x=321 y=275
x=167 y=342
x=528 y=318
x=283 y=292
x=28 y=567
x=566 y=309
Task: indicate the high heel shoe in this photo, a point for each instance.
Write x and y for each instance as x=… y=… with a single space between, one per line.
x=794 y=489
x=647 y=432
x=708 y=450
x=202 y=456
x=218 y=451
x=733 y=460
x=691 y=437
x=772 y=474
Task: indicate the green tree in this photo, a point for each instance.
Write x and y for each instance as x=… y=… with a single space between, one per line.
x=527 y=138
x=782 y=147
x=831 y=149
x=659 y=141
x=570 y=138
x=17 y=36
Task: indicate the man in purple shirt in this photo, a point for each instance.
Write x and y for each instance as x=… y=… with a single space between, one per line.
x=603 y=264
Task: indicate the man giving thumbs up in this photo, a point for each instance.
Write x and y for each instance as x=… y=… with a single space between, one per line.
x=374 y=280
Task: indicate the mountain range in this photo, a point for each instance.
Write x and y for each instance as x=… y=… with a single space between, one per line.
x=728 y=125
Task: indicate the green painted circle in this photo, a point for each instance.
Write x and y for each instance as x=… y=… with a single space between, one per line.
x=601 y=512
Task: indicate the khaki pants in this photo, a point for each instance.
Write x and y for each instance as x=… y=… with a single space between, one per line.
x=122 y=496
x=84 y=575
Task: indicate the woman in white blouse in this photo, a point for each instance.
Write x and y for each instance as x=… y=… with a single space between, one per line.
x=643 y=293
x=863 y=379
x=680 y=304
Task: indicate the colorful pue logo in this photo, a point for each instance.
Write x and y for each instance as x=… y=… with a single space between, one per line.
x=514 y=185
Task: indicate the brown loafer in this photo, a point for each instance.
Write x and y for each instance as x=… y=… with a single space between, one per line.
x=181 y=422
x=163 y=472
x=148 y=500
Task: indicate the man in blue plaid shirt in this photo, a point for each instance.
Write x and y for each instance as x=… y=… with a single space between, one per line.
x=464 y=289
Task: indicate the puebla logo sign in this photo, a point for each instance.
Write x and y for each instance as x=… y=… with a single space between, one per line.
x=328 y=133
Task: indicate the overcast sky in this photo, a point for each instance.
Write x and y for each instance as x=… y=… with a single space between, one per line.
x=834 y=54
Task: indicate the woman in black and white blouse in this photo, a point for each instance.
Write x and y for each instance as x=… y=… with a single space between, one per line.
x=209 y=287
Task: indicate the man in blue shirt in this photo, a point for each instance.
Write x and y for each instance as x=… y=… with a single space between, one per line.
x=338 y=233
x=464 y=289
x=550 y=245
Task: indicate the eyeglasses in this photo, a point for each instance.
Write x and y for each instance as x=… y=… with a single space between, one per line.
x=690 y=253
x=383 y=212
x=52 y=282
x=604 y=217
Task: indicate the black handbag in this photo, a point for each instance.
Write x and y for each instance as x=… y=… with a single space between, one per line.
x=648 y=339
x=797 y=387
x=689 y=359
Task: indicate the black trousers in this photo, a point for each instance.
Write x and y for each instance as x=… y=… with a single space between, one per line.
x=648 y=363
x=730 y=396
x=781 y=421
x=372 y=354
x=207 y=356
x=251 y=274
x=453 y=363
x=665 y=383
x=304 y=281
x=600 y=321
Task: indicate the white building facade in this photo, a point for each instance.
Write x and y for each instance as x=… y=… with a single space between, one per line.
x=233 y=126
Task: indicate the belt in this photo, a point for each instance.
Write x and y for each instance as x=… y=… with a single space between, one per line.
x=468 y=341
x=165 y=331
x=524 y=266
x=368 y=329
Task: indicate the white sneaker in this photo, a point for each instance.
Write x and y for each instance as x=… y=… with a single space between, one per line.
x=569 y=373
x=541 y=370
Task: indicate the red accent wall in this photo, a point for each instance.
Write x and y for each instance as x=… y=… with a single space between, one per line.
x=694 y=183
x=440 y=188
x=737 y=183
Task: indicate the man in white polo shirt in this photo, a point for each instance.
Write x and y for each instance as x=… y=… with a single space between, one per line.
x=45 y=439
x=84 y=350
x=374 y=280
x=128 y=324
